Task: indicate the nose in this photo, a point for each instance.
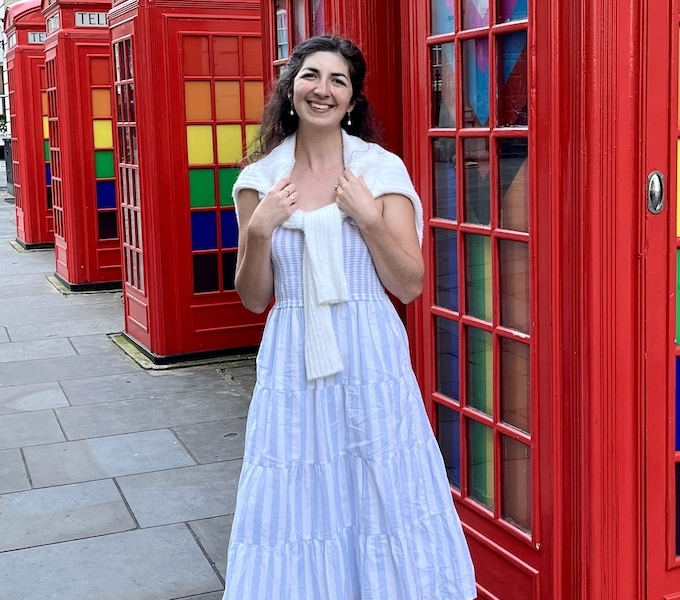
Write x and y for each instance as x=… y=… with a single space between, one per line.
x=322 y=87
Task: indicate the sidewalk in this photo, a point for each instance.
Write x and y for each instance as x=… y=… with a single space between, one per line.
x=116 y=482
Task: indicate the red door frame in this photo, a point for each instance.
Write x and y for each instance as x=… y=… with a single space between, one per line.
x=660 y=129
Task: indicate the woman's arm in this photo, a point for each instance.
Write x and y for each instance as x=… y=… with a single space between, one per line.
x=257 y=221
x=388 y=227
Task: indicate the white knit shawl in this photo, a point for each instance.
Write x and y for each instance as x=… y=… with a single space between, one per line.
x=384 y=173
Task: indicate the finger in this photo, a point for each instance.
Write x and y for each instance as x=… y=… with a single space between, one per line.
x=280 y=184
x=348 y=175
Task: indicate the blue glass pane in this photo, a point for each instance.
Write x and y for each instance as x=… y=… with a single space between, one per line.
x=512 y=10
x=447 y=357
x=444 y=155
x=677 y=403
x=448 y=435
x=446 y=268
x=106 y=194
x=229 y=229
x=442 y=16
x=203 y=230
x=48 y=174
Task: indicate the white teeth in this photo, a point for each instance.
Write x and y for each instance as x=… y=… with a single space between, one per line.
x=319 y=106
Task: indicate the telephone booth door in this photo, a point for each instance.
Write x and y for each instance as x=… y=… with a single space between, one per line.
x=25 y=30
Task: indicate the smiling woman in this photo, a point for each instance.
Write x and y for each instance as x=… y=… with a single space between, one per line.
x=343 y=493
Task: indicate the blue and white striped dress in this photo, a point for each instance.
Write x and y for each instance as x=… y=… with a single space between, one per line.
x=343 y=493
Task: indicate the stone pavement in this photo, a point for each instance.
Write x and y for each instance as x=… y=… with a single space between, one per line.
x=116 y=482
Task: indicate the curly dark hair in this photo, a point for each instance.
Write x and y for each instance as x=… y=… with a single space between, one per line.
x=278 y=123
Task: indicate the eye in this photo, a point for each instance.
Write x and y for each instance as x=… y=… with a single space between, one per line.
x=339 y=81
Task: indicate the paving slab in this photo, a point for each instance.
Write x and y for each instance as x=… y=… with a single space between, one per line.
x=19 y=351
x=4 y=336
x=214 y=441
x=182 y=495
x=18 y=314
x=98 y=343
x=163 y=563
x=142 y=384
x=145 y=414
x=29 y=429
x=111 y=324
x=62 y=369
x=62 y=513
x=26 y=280
x=42 y=291
x=99 y=458
x=13 y=477
x=31 y=397
x=213 y=535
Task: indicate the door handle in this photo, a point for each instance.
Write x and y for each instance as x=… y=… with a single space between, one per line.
x=655 y=192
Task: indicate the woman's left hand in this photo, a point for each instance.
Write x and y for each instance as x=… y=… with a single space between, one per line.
x=355 y=199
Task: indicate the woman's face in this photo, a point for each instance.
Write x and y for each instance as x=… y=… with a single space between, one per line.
x=322 y=90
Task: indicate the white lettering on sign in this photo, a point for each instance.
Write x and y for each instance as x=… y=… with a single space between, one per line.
x=36 y=37
x=91 y=19
x=12 y=41
x=53 y=23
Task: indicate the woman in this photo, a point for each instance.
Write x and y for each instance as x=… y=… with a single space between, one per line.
x=343 y=493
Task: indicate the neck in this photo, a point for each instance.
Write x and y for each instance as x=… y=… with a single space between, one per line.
x=318 y=150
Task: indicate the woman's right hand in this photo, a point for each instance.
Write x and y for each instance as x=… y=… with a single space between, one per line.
x=275 y=208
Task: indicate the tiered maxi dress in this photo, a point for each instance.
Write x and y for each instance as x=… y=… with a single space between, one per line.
x=343 y=493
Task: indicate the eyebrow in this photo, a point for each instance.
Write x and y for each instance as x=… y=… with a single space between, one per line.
x=315 y=70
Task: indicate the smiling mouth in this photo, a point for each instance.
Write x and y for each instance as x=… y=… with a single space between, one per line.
x=318 y=106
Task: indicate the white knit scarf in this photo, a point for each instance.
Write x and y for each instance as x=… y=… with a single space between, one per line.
x=324 y=283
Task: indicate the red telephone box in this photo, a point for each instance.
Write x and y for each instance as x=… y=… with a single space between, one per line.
x=189 y=96
x=25 y=30
x=77 y=62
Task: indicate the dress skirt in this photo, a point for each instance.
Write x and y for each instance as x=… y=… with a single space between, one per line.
x=343 y=493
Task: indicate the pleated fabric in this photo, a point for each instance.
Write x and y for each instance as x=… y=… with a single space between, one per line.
x=343 y=493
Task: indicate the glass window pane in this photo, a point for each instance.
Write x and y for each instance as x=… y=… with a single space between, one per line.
x=228 y=100
x=300 y=25
x=225 y=50
x=196 y=56
x=99 y=71
x=229 y=229
x=475 y=13
x=103 y=164
x=677 y=509
x=479 y=370
x=201 y=188
x=107 y=223
x=448 y=436
x=513 y=179
x=200 y=144
x=447 y=357
x=516 y=483
x=480 y=464
x=206 y=273
x=477 y=188
x=229 y=144
x=281 y=28
x=476 y=82
x=514 y=384
x=106 y=194
x=227 y=178
x=317 y=9
x=514 y=285
x=513 y=80
x=512 y=10
x=445 y=193
x=197 y=100
x=443 y=68
x=229 y=270
x=252 y=57
x=101 y=103
x=254 y=100
x=478 y=276
x=204 y=230
x=102 y=132
x=442 y=16
x=677 y=403
x=446 y=268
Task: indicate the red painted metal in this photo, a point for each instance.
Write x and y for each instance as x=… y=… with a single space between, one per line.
x=25 y=31
x=77 y=59
x=163 y=314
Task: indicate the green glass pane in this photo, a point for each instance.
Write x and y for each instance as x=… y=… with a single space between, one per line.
x=479 y=370
x=201 y=188
x=46 y=150
x=103 y=164
x=227 y=179
x=480 y=464
x=478 y=276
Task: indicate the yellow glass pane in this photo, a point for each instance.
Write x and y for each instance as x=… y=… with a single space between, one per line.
x=252 y=132
x=227 y=101
x=254 y=99
x=101 y=103
x=200 y=145
x=43 y=100
x=103 y=134
x=197 y=100
x=46 y=128
x=229 y=144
